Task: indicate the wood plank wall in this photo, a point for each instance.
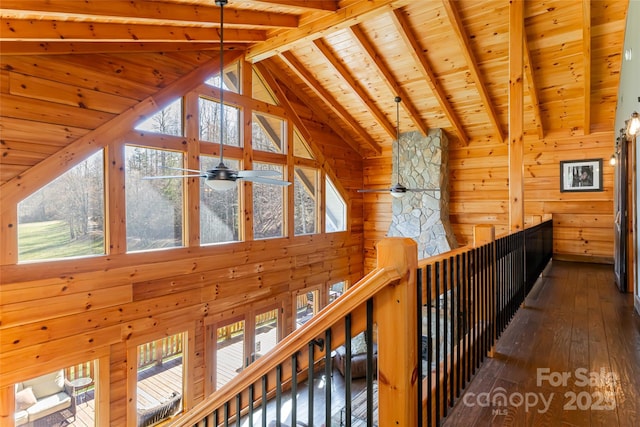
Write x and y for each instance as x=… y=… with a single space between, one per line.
x=60 y=313
x=106 y=303
x=583 y=222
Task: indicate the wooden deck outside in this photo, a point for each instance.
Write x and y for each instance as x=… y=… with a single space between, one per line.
x=570 y=357
x=156 y=383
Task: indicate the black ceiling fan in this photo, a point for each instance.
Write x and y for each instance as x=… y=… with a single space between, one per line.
x=222 y=177
x=397 y=190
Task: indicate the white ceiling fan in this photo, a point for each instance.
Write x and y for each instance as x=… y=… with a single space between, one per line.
x=221 y=177
x=397 y=190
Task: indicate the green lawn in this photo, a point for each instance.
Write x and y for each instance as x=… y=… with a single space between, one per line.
x=51 y=239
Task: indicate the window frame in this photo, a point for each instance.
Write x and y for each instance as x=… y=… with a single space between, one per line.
x=188 y=330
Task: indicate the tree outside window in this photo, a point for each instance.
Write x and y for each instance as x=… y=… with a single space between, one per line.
x=66 y=217
x=154 y=206
x=268 y=205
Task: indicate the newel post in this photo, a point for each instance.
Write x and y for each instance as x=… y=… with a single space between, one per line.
x=395 y=316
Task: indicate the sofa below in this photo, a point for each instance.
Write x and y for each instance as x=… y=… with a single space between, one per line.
x=43 y=396
x=358 y=361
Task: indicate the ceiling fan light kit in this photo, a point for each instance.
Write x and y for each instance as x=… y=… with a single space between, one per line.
x=398 y=190
x=222 y=178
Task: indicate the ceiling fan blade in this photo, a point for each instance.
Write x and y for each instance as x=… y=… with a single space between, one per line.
x=183 y=169
x=174 y=176
x=250 y=173
x=376 y=190
x=262 y=180
x=420 y=190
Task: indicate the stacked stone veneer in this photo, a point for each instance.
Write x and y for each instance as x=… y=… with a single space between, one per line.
x=423 y=216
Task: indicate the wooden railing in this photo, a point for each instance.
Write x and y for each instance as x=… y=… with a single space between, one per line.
x=450 y=310
x=81 y=370
x=468 y=298
x=152 y=353
x=237 y=328
x=371 y=299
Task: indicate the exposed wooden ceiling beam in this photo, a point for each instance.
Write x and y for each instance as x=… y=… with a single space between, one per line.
x=356 y=87
x=533 y=90
x=39 y=175
x=586 y=51
x=120 y=11
x=22 y=30
x=265 y=70
x=516 y=114
x=66 y=48
x=317 y=110
x=476 y=75
x=343 y=18
x=404 y=29
x=330 y=102
x=388 y=78
x=328 y=5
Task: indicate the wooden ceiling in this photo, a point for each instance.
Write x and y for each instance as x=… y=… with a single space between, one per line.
x=68 y=67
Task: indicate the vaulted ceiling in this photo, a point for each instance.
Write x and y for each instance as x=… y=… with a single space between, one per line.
x=345 y=59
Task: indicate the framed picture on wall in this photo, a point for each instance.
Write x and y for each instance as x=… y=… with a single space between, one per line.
x=581 y=175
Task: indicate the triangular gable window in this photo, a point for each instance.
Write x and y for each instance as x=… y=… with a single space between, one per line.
x=261 y=90
x=167 y=121
x=300 y=147
x=231 y=78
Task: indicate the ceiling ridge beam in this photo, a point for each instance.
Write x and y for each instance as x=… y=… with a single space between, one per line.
x=40 y=174
x=388 y=78
x=343 y=18
x=43 y=31
x=265 y=69
x=404 y=29
x=533 y=90
x=330 y=102
x=169 y=13
x=63 y=47
x=586 y=50
x=357 y=88
x=458 y=27
x=322 y=5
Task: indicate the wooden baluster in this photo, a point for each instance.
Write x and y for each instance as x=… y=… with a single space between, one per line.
x=7 y=405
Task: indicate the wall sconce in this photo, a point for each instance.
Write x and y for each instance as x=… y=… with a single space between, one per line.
x=613 y=160
x=633 y=125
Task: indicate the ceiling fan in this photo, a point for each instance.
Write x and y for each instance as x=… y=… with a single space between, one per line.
x=221 y=177
x=398 y=190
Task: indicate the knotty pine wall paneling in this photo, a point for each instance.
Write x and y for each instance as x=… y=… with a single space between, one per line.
x=83 y=308
x=102 y=304
x=583 y=222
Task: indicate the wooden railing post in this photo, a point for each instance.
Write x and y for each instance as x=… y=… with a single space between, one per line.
x=7 y=405
x=483 y=233
x=395 y=315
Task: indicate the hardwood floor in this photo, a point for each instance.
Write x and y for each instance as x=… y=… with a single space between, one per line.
x=570 y=357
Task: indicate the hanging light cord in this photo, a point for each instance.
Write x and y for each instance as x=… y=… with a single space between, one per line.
x=221 y=3
x=398 y=99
